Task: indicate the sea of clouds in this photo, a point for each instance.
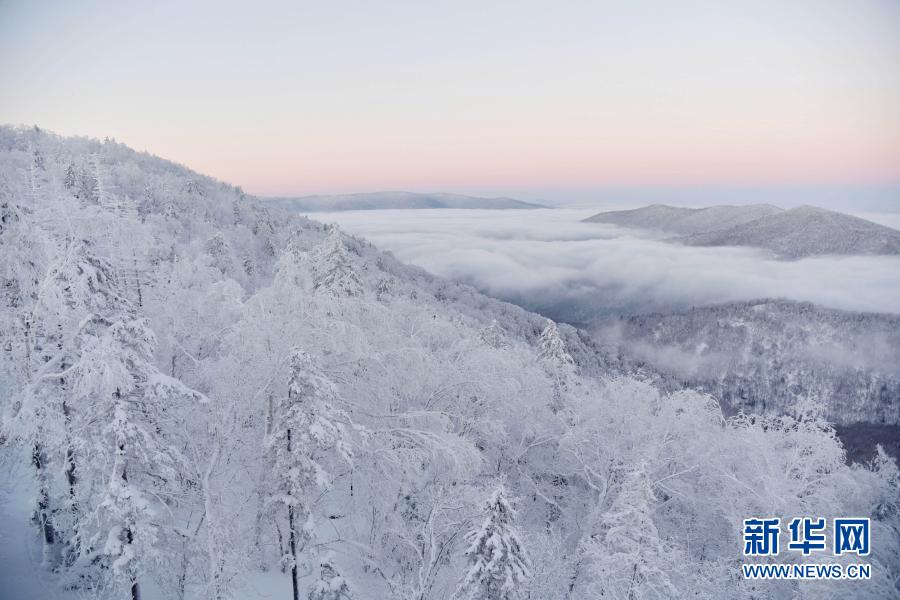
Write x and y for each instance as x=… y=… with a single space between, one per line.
x=550 y=262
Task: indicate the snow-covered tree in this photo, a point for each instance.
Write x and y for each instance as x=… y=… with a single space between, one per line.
x=309 y=433
x=220 y=255
x=330 y=585
x=494 y=336
x=626 y=556
x=498 y=563
x=126 y=406
x=333 y=269
x=557 y=362
x=71 y=178
x=553 y=353
x=79 y=284
x=97 y=400
x=88 y=188
x=24 y=252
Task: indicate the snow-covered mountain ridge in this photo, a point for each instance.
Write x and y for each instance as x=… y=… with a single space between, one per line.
x=685 y=221
x=789 y=234
x=208 y=393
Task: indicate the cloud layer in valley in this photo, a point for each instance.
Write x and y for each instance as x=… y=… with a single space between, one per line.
x=548 y=261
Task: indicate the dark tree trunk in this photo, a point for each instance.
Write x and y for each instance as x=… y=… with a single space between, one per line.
x=292 y=536
x=71 y=478
x=43 y=506
x=293 y=544
x=74 y=544
x=135 y=587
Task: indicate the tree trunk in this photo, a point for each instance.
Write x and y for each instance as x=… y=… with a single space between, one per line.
x=48 y=534
x=280 y=545
x=74 y=544
x=135 y=587
x=292 y=535
x=293 y=544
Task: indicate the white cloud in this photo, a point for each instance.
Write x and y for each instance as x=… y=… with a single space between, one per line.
x=549 y=261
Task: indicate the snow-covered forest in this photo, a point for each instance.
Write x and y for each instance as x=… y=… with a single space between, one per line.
x=200 y=393
x=771 y=355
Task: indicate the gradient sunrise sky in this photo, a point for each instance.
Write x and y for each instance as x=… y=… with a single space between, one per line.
x=290 y=98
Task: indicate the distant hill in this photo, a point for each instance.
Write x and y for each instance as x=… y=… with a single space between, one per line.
x=655 y=216
x=396 y=200
x=805 y=231
x=790 y=234
x=684 y=221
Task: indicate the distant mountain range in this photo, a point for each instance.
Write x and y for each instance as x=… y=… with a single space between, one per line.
x=790 y=234
x=396 y=200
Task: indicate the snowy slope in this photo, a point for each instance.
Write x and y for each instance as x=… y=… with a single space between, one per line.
x=789 y=234
x=395 y=200
x=721 y=217
x=655 y=216
x=805 y=231
x=672 y=219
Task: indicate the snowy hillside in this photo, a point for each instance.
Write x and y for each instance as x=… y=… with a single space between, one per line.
x=773 y=356
x=684 y=221
x=789 y=234
x=394 y=200
x=204 y=396
x=655 y=216
x=806 y=231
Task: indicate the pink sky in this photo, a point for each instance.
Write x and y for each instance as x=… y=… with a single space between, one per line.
x=287 y=98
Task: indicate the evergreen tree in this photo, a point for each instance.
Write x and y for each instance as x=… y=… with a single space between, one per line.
x=220 y=254
x=79 y=296
x=626 y=554
x=88 y=188
x=498 y=564
x=553 y=353
x=23 y=258
x=308 y=432
x=24 y=251
x=125 y=405
x=333 y=270
x=71 y=178
x=558 y=364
